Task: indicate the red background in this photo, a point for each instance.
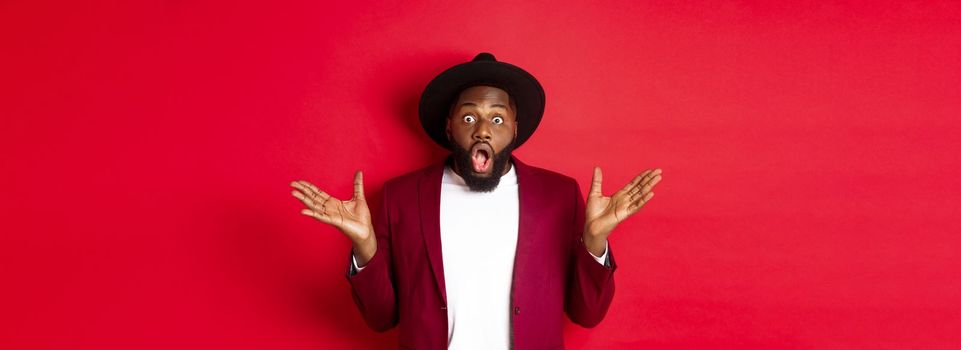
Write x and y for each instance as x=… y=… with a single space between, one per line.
x=809 y=200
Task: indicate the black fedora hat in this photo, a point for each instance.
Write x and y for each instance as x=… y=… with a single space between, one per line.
x=484 y=69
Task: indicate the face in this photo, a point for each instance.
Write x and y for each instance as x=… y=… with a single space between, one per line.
x=482 y=126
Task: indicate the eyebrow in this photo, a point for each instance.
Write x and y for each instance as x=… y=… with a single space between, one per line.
x=475 y=105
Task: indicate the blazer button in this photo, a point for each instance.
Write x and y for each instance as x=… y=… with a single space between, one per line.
x=443 y=307
x=517 y=310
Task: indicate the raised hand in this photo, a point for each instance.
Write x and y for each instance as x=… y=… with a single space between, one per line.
x=351 y=217
x=603 y=214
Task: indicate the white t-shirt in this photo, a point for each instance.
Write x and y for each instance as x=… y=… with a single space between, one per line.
x=478 y=232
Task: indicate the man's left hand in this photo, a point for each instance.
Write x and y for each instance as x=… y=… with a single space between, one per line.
x=603 y=214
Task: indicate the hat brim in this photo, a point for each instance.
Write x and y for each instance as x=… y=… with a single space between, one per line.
x=524 y=89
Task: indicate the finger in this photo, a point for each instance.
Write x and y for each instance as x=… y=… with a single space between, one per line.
x=301 y=196
x=640 y=177
x=647 y=176
x=646 y=186
x=640 y=201
x=314 y=192
x=631 y=187
x=596 y=182
x=299 y=185
x=650 y=184
x=315 y=215
x=359 y=185
x=298 y=195
x=310 y=203
x=298 y=188
x=650 y=174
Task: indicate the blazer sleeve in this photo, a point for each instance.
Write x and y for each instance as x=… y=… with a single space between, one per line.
x=590 y=287
x=373 y=287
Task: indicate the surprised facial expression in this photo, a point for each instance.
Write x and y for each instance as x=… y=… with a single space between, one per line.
x=483 y=122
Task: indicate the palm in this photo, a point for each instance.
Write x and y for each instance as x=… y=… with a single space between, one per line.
x=352 y=217
x=602 y=213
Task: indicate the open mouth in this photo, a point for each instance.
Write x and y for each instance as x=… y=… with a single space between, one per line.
x=480 y=156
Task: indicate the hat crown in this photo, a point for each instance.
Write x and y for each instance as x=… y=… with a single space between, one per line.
x=484 y=56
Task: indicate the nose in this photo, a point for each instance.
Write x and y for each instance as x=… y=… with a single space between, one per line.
x=482 y=132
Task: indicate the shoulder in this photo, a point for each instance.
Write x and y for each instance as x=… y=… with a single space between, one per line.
x=411 y=180
x=544 y=177
x=542 y=174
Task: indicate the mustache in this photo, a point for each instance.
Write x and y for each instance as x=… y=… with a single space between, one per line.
x=485 y=143
x=507 y=148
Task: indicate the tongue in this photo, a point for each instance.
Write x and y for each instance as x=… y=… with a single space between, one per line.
x=480 y=161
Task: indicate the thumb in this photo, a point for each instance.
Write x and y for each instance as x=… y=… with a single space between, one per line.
x=596 y=182
x=359 y=185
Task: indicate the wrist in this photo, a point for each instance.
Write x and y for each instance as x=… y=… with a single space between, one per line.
x=595 y=243
x=364 y=249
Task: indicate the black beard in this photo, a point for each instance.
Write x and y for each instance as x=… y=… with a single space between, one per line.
x=463 y=162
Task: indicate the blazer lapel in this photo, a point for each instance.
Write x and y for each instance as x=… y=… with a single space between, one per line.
x=529 y=203
x=429 y=207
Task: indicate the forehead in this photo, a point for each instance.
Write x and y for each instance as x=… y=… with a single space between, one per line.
x=483 y=94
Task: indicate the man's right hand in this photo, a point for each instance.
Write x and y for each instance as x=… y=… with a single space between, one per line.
x=351 y=217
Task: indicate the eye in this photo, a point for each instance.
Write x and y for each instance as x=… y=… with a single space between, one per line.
x=497 y=120
x=469 y=118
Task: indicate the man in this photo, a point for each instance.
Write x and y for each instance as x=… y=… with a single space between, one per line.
x=481 y=251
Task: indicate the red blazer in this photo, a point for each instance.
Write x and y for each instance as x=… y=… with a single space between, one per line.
x=403 y=284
